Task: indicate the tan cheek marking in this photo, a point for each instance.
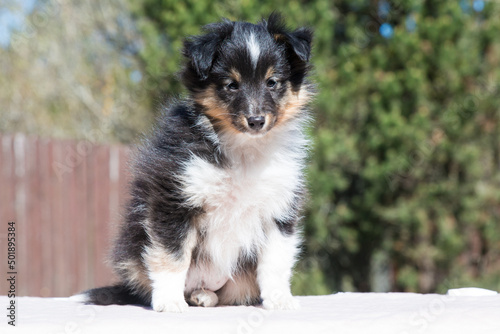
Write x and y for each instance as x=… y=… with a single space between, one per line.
x=292 y=104
x=214 y=108
x=222 y=119
x=270 y=121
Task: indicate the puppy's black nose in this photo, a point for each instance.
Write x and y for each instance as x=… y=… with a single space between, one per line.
x=256 y=122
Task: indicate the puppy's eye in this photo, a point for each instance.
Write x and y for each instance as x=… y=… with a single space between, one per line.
x=271 y=83
x=232 y=86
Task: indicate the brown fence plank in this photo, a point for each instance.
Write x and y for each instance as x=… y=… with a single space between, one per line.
x=124 y=178
x=46 y=234
x=80 y=216
x=86 y=230
x=21 y=213
x=102 y=220
x=33 y=224
x=91 y=215
x=61 y=156
x=71 y=221
x=115 y=209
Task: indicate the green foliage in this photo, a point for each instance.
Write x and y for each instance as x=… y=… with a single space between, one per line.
x=408 y=134
x=405 y=171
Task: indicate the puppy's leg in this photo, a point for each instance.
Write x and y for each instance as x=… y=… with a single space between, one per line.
x=167 y=293
x=167 y=272
x=274 y=271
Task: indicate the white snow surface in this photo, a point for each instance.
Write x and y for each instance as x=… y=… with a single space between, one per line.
x=469 y=310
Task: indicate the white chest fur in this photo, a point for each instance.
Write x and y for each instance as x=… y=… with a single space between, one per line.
x=240 y=203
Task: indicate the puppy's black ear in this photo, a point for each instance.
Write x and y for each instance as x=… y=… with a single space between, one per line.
x=300 y=41
x=297 y=46
x=297 y=42
x=202 y=50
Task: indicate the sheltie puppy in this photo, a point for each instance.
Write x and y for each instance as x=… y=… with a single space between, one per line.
x=218 y=187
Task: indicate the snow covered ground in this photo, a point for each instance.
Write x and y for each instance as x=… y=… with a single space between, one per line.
x=459 y=311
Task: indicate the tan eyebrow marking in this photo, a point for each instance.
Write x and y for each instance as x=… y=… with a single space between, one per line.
x=235 y=75
x=270 y=72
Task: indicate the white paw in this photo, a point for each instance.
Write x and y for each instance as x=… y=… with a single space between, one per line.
x=177 y=306
x=205 y=298
x=286 y=302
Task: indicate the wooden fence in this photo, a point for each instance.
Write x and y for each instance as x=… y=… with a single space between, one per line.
x=65 y=198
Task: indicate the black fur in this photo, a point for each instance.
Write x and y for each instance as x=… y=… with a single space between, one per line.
x=119 y=294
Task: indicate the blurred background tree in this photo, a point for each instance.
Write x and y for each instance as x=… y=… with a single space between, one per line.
x=70 y=70
x=405 y=171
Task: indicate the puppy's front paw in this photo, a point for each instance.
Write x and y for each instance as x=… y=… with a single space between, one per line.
x=177 y=306
x=282 y=302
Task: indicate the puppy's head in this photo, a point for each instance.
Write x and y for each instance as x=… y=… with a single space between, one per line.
x=249 y=77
